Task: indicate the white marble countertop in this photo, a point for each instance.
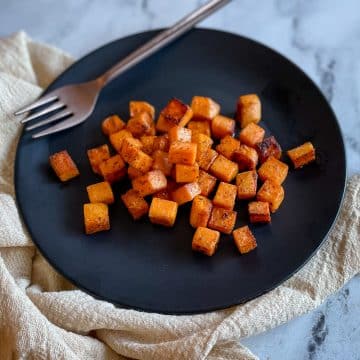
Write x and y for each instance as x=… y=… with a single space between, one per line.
x=322 y=37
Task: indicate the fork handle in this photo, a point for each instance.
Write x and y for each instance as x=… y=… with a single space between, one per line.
x=161 y=40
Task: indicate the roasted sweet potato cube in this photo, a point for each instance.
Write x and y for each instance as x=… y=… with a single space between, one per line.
x=166 y=193
x=162 y=143
x=150 y=183
x=246 y=157
x=177 y=133
x=228 y=145
x=113 y=169
x=174 y=113
x=142 y=162
x=96 y=218
x=203 y=142
x=204 y=108
x=207 y=158
x=302 y=155
x=163 y=212
x=272 y=193
x=200 y=211
x=224 y=169
x=138 y=107
x=246 y=183
x=268 y=147
x=116 y=139
x=161 y=162
x=63 y=165
x=100 y=193
x=112 y=124
x=130 y=148
x=186 y=173
x=259 y=212
x=140 y=125
x=273 y=169
x=148 y=143
x=133 y=173
x=225 y=196
x=206 y=182
x=182 y=153
x=222 y=220
x=97 y=156
x=248 y=110
x=186 y=193
x=244 y=239
x=205 y=241
x=199 y=127
x=135 y=203
x=252 y=134
x=222 y=126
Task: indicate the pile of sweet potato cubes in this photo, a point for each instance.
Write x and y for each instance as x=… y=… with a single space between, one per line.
x=182 y=158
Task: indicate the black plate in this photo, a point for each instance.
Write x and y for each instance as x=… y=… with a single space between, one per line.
x=147 y=267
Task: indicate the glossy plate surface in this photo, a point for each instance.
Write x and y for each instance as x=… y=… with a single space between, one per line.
x=147 y=267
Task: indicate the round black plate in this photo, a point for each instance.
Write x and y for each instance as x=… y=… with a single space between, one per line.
x=152 y=268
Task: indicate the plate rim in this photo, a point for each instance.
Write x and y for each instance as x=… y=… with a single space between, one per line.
x=208 y=308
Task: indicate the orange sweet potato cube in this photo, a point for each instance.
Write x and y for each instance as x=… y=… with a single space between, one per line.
x=96 y=218
x=222 y=220
x=182 y=153
x=186 y=193
x=222 y=126
x=204 y=108
x=273 y=169
x=200 y=211
x=148 y=143
x=142 y=162
x=199 y=127
x=224 y=169
x=150 y=183
x=113 y=169
x=133 y=173
x=161 y=162
x=225 y=196
x=100 y=193
x=246 y=157
x=163 y=212
x=244 y=239
x=272 y=193
x=174 y=113
x=63 y=165
x=112 y=124
x=162 y=143
x=97 y=156
x=207 y=158
x=205 y=241
x=140 y=125
x=203 y=142
x=228 y=145
x=259 y=212
x=252 y=134
x=248 y=110
x=130 y=148
x=177 y=133
x=186 y=173
x=268 y=147
x=246 y=183
x=138 y=107
x=117 y=138
x=302 y=155
x=135 y=203
x=206 y=182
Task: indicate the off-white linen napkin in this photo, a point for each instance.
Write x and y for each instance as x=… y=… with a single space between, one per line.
x=42 y=316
